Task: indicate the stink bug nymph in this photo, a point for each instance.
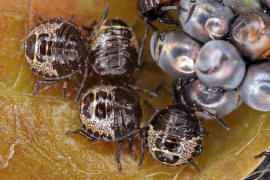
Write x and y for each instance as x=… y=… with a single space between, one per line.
x=110 y=113
x=173 y=136
x=114 y=56
x=54 y=50
x=114 y=52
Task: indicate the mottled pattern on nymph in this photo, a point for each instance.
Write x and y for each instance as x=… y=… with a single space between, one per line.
x=110 y=112
x=114 y=52
x=174 y=136
x=55 y=49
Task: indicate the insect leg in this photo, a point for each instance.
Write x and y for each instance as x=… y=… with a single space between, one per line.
x=82 y=85
x=118 y=155
x=142 y=148
x=195 y=167
x=78 y=131
x=146 y=91
x=43 y=82
x=146 y=32
x=38 y=17
x=130 y=147
x=265 y=153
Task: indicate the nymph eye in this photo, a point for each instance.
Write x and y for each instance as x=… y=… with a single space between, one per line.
x=255 y=88
x=243 y=6
x=216 y=100
x=205 y=19
x=175 y=52
x=251 y=35
x=219 y=65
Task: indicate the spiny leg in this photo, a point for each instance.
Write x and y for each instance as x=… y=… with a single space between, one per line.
x=68 y=21
x=38 y=17
x=43 y=82
x=162 y=85
x=149 y=26
x=168 y=8
x=220 y=121
x=265 y=153
x=104 y=15
x=142 y=148
x=146 y=32
x=146 y=91
x=190 y=13
x=195 y=167
x=130 y=147
x=118 y=155
x=133 y=134
x=78 y=131
x=169 y=21
x=81 y=85
x=155 y=93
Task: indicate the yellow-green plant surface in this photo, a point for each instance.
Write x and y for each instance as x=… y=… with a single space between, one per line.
x=33 y=144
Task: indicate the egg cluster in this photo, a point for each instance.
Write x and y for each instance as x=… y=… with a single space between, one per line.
x=218 y=56
x=223 y=46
